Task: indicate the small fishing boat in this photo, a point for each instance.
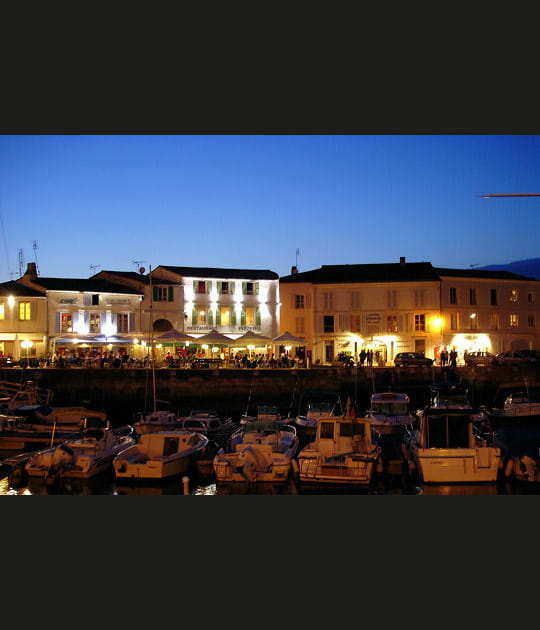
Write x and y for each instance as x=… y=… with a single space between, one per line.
x=159 y=455
x=209 y=422
x=344 y=451
x=265 y=413
x=19 y=433
x=83 y=457
x=157 y=420
x=260 y=451
x=313 y=405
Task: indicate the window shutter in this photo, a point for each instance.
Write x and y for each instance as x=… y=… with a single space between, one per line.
x=308 y=300
x=102 y=319
x=131 y=322
x=209 y=286
x=231 y=285
x=75 y=319
x=233 y=316
x=243 y=316
x=256 y=288
x=154 y=293
x=57 y=322
x=114 y=322
x=244 y=288
x=194 y=315
x=210 y=317
x=171 y=294
x=195 y=287
x=218 y=315
x=258 y=316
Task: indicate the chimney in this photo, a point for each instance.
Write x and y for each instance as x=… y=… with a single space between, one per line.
x=31 y=270
x=294 y=269
x=402 y=261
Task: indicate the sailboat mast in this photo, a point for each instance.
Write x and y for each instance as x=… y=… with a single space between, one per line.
x=151 y=335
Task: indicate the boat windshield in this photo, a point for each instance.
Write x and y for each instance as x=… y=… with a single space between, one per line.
x=448 y=431
x=391 y=409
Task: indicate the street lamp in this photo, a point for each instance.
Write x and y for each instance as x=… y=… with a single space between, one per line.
x=27 y=344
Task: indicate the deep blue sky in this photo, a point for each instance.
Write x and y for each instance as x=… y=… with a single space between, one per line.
x=250 y=201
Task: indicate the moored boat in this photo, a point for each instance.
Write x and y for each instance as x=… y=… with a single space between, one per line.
x=260 y=451
x=344 y=452
x=159 y=455
x=449 y=445
x=83 y=457
x=154 y=421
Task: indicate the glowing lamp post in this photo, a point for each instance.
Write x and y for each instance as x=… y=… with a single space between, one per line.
x=27 y=344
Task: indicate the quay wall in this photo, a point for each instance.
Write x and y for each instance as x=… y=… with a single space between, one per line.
x=121 y=392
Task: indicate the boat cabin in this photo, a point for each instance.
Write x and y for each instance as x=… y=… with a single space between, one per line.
x=342 y=434
x=390 y=404
x=441 y=428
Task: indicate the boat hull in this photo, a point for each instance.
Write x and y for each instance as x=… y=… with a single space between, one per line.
x=464 y=465
x=354 y=469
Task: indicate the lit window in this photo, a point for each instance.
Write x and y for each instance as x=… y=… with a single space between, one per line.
x=250 y=316
x=202 y=315
x=514 y=295
x=2 y=310
x=420 y=322
x=95 y=323
x=24 y=311
x=513 y=320
x=225 y=316
x=122 y=322
x=391 y=323
x=66 y=322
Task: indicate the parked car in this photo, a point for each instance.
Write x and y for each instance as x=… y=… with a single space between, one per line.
x=515 y=357
x=479 y=358
x=404 y=359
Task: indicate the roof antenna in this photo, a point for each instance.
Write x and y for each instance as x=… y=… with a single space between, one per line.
x=137 y=263
x=94 y=267
x=21 y=262
x=297 y=253
x=34 y=245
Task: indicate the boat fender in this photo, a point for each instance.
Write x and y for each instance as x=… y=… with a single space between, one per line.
x=508 y=468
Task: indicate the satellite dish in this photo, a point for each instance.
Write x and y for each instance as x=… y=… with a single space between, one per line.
x=142 y=269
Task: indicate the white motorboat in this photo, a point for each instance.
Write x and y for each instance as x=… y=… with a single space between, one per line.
x=449 y=445
x=344 y=451
x=515 y=404
x=157 y=420
x=260 y=451
x=160 y=455
x=82 y=457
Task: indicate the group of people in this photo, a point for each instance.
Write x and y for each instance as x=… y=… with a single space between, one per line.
x=448 y=358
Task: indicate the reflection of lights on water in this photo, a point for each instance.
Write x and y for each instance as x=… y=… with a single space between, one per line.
x=205 y=489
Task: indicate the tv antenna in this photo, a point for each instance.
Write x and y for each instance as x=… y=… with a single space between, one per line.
x=137 y=263
x=296 y=260
x=21 y=262
x=94 y=267
x=34 y=245
x=474 y=265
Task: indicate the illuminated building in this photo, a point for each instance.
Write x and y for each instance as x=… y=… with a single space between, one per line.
x=396 y=307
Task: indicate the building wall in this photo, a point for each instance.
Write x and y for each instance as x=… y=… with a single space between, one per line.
x=14 y=331
x=361 y=315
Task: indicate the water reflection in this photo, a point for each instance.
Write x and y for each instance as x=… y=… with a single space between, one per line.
x=106 y=484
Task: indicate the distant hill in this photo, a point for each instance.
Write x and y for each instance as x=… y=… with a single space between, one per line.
x=529 y=267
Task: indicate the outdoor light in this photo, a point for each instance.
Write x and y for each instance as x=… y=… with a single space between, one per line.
x=472 y=315
x=27 y=344
x=11 y=300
